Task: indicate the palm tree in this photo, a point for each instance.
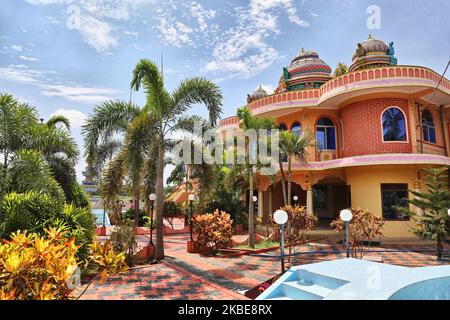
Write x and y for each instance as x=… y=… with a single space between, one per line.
x=295 y=146
x=169 y=112
x=249 y=122
x=147 y=133
x=21 y=130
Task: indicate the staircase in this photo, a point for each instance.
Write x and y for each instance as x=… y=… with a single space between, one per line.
x=307 y=285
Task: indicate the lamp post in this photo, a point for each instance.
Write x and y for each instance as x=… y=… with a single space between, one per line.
x=295 y=199
x=346 y=216
x=448 y=212
x=191 y=200
x=281 y=217
x=152 y=198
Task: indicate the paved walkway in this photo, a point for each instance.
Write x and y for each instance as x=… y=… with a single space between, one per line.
x=192 y=276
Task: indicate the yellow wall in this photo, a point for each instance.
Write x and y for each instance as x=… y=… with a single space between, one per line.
x=366 y=191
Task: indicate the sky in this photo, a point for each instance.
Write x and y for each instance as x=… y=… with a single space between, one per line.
x=66 y=56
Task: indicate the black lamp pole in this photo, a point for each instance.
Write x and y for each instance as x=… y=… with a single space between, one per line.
x=190 y=221
x=151 y=222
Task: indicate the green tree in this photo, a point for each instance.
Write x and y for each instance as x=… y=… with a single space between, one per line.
x=147 y=133
x=433 y=223
x=249 y=122
x=294 y=146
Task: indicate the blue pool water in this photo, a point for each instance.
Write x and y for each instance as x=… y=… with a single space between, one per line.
x=360 y=279
x=98 y=213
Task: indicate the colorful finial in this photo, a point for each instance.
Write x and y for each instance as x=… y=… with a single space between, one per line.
x=369 y=37
x=303 y=50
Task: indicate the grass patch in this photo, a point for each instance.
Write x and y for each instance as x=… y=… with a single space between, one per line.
x=262 y=245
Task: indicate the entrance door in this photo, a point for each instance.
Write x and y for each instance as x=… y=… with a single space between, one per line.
x=328 y=201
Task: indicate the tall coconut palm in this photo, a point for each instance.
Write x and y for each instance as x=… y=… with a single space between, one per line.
x=249 y=122
x=169 y=111
x=295 y=146
x=163 y=114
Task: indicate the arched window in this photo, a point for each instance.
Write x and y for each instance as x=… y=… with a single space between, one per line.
x=326 y=134
x=296 y=128
x=394 y=125
x=428 y=129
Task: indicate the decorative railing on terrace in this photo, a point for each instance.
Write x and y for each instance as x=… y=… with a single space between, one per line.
x=394 y=75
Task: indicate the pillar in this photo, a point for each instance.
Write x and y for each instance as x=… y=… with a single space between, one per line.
x=309 y=199
x=270 y=202
x=417 y=189
x=260 y=203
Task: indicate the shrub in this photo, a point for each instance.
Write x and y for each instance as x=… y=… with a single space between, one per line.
x=37 y=267
x=78 y=223
x=364 y=227
x=123 y=239
x=129 y=215
x=36 y=212
x=213 y=230
x=105 y=260
x=172 y=210
x=27 y=211
x=300 y=221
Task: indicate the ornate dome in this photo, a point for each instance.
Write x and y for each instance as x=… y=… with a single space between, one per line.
x=306 y=70
x=257 y=94
x=373 y=53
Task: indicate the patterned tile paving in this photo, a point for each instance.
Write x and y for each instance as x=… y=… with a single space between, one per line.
x=192 y=276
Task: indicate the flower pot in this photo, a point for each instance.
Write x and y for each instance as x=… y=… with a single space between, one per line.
x=101 y=231
x=191 y=246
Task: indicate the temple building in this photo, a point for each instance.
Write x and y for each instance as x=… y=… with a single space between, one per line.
x=377 y=124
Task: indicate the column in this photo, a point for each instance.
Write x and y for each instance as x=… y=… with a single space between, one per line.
x=417 y=189
x=309 y=199
x=260 y=203
x=270 y=202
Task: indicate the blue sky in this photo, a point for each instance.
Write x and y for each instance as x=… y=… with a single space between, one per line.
x=66 y=56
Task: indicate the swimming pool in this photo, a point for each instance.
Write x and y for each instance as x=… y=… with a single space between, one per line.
x=98 y=213
x=345 y=279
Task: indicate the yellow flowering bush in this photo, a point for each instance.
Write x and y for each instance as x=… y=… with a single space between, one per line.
x=105 y=260
x=213 y=230
x=37 y=267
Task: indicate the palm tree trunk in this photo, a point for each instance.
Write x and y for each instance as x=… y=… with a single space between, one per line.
x=159 y=248
x=439 y=247
x=251 y=213
x=136 y=210
x=283 y=185
x=289 y=191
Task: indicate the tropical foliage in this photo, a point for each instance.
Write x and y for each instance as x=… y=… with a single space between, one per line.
x=147 y=130
x=37 y=267
x=433 y=223
x=213 y=231
x=299 y=223
x=103 y=259
x=249 y=122
x=364 y=228
x=293 y=146
x=123 y=239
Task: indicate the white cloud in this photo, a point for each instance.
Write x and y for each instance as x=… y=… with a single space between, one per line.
x=244 y=50
x=97 y=33
x=76 y=118
x=173 y=32
x=98 y=18
x=22 y=74
x=25 y=58
x=78 y=93
x=202 y=15
x=17 y=48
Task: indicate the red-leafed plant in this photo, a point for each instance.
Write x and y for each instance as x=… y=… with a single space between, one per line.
x=213 y=231
x=363 y=229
